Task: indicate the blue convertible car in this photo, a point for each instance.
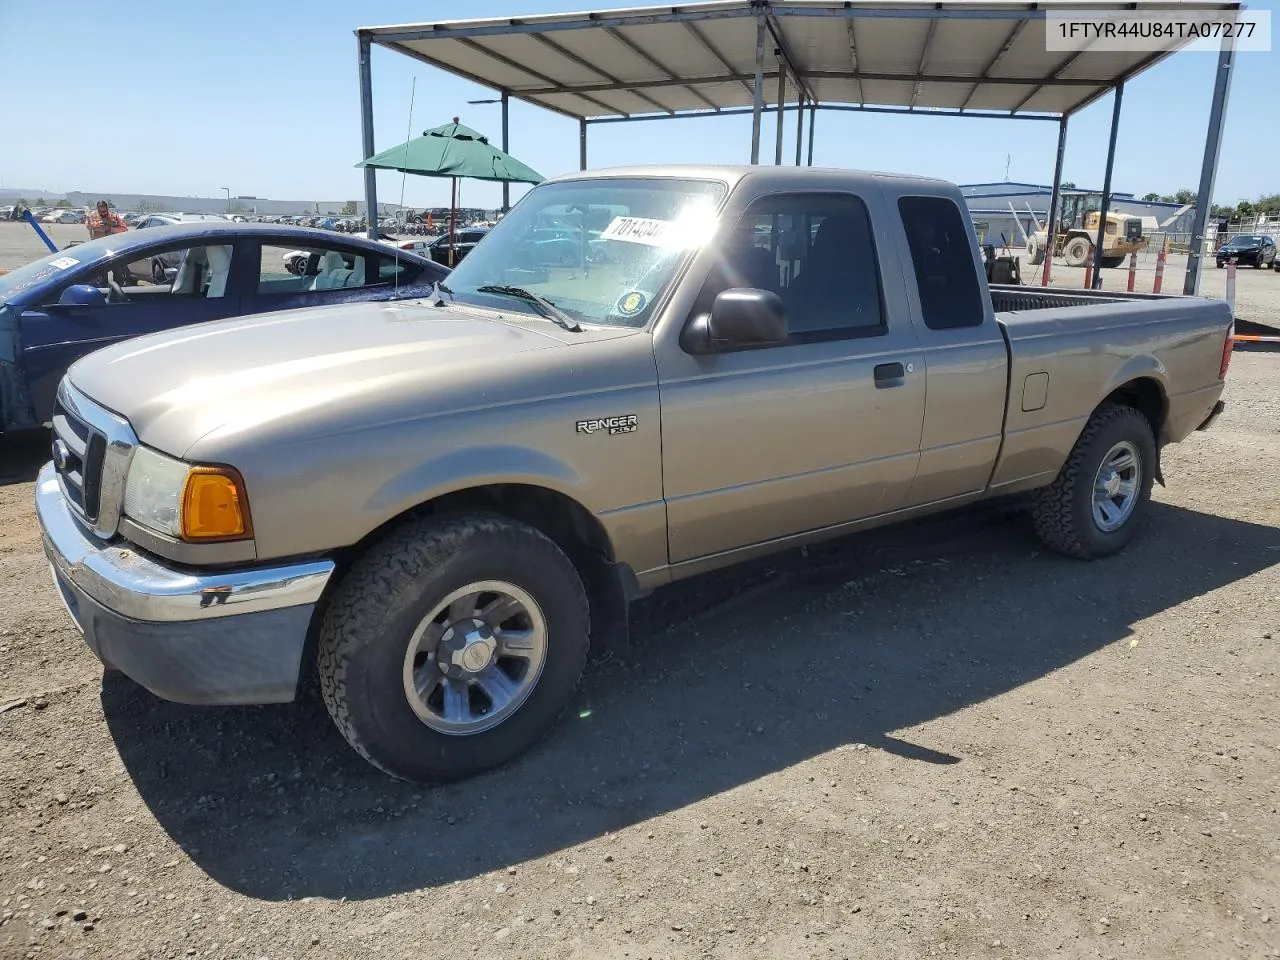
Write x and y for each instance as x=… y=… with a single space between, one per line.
x=56 y=310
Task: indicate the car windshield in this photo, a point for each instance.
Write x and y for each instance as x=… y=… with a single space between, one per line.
x=14 y=282
x=1245 y=242
x=601 y=250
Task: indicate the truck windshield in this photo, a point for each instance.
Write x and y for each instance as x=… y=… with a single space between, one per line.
x=600 y=250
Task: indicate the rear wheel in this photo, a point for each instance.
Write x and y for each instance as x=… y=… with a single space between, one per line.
x=1112 y=262
x=1098 y=499
x=1035 y=251
x=1077 y=251
x=452 y=646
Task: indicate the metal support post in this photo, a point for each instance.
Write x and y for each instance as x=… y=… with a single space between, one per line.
x=1055 y=199
x=813 y=125
x=1209 y=167
x=1106 y=188
x=757 y=100
x=366 y=131
x=782 y=100
x=800 y=128
x=506 y=148
x=582 y=144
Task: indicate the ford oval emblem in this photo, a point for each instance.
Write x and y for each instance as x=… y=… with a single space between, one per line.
x=61 y=455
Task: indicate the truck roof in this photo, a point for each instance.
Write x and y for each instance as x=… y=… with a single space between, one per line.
x=775 y=176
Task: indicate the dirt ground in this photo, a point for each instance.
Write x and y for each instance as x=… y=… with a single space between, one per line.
x=932 y=741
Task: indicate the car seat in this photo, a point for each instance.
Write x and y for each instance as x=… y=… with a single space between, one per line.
x=219 y=270
x=333 y=272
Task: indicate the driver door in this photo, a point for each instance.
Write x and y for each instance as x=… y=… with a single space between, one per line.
x=760 y=444
x=54 y=337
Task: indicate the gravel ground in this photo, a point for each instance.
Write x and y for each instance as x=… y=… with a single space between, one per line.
x=937 y=740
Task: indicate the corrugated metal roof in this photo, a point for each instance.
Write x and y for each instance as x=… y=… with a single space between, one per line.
x=961 y=55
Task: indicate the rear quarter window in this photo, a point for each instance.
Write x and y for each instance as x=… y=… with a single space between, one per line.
x=946 y=278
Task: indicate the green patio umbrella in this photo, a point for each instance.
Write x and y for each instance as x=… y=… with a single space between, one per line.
x=453 y=151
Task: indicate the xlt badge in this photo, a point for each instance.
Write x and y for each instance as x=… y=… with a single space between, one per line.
x=611 y=425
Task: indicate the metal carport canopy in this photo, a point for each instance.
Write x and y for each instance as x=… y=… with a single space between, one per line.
x=985 y=58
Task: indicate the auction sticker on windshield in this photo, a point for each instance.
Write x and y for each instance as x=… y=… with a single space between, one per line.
x=653 y=233
x=64 y=263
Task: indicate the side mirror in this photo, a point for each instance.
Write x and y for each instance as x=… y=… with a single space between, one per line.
x=739 y=318
x=79 y=295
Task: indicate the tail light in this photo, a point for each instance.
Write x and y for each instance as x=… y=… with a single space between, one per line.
x=1226 y=351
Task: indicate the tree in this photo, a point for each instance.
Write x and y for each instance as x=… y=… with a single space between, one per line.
x=349 y=208
x=64 y=203
x=146 y=206
x=1068 y=184
x=1184 y=196
x=1244 y=210
x=1268 y=203
x=1151 y=196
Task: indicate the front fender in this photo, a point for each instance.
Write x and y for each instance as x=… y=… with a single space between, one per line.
x=15 y=400
x=475 y=467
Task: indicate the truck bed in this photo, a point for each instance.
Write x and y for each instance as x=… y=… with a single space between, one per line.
x=1069 y=351
x=1012 y=298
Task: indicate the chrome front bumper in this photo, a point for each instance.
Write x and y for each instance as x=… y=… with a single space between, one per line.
x=233 y=636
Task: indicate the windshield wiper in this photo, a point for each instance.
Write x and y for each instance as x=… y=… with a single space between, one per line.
x=546 y=307
x=439 y=286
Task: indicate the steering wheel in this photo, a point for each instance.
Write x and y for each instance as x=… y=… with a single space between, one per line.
x=117 y=293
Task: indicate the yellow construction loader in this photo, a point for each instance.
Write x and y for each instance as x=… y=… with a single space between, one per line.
x=1078 y=229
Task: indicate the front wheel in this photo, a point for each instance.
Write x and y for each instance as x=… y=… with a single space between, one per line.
x=1098 y=499
x=452 y=646
x=1077 y=251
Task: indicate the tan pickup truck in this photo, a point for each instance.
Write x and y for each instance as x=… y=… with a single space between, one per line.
x=638 y=375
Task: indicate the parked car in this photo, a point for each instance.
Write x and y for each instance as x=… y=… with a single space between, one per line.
x=1256 y=250
x=63 y=216
x=452 y=498
x=464 y=242
x=58 y=309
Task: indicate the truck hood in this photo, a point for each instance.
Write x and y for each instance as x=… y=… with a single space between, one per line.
x=231 y=375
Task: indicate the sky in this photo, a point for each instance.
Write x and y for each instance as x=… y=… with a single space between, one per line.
x=183 y=99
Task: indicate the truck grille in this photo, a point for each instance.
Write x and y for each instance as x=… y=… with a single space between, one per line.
x=92 y=448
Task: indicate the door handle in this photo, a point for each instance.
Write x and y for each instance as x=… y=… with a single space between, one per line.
x=890 y=375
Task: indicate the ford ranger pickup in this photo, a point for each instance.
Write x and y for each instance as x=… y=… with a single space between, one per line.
x=434 y=506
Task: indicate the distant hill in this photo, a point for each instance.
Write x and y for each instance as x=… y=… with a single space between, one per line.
x=13 y=193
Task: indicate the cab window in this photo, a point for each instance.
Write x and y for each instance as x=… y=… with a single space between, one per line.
x=291 y=270
x=941 y=253
x=817 y=253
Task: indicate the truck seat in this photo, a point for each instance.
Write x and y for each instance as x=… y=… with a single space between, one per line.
x=838 y=285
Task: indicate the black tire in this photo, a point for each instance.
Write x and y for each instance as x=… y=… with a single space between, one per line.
x=1063 y=511
x=1035 y=252
x=1077 y=251
x=1112 y=262
x=389 y=590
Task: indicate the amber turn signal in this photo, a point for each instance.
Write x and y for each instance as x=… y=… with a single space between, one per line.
x=214 y=505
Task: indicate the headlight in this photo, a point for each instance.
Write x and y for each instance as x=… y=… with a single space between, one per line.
x=192 y=503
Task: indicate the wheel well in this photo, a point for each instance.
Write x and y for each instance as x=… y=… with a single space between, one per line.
x=572 y=527
x=565 y=521
x=1147 y=397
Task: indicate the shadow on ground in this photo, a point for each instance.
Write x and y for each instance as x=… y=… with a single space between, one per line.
x=734 y=675
x=22 y=455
